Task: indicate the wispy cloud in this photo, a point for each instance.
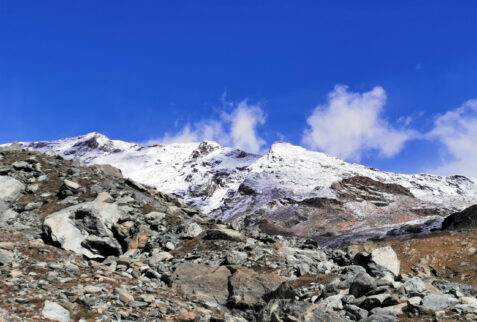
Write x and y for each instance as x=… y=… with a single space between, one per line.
x=350 y=124
x=457 y=131
x=237 y=128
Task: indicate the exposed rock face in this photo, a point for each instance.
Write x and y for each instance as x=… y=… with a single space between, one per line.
x=85 y=229
x=466 y=219
x=10 y=188
x=114 y=249
x=288 y=191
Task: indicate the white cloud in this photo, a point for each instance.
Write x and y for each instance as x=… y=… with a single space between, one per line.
x=237 y=128
x=243 y=123
x=350 y=124
x=457 y=131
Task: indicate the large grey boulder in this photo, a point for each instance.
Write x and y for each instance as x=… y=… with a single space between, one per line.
x=362 y=284
x=415 y=286
x=85 y=229
x=10 y=188
x=439 y=302
x=387 y=258
x=55 y=312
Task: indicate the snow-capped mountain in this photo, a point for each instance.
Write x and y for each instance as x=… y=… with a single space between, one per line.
x=289 y=190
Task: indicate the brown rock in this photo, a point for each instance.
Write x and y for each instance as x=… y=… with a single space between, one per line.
x=208 y=283
x=248 y=287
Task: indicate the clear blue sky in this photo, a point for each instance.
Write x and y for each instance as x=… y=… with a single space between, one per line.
x=135 y=70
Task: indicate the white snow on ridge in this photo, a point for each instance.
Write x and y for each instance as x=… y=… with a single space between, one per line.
x=209 y=175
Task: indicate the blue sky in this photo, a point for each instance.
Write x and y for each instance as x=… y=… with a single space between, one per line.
x=247 y=74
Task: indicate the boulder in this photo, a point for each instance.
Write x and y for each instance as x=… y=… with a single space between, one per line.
x=355 y=313
x=464 y=219
x=192 y=230
x=415 y=286
x=6 y=257
x=10 y=188
x=55 y=312
x=224 y=234
x=374 y=301
x=207 y=283
x=247 y=288
x=362 y=284
x=386 y=258
x=290 y=310
x=85 y=229
x=109 y=170
x=439 y=302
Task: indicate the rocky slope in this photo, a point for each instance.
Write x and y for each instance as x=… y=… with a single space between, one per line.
x=83 y=243
x=288 y=191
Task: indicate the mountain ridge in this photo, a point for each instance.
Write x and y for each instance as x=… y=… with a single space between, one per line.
x=295 y=190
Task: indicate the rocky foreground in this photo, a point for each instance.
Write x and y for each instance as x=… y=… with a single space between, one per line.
x=84 y=243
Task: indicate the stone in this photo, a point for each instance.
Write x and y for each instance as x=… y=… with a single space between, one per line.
x=7 y=214
x=71 y=185
x=50 y=153
x=236 y=258
x=170 y=246
x=465 y=309
x=104 y=196
x=10 y=188
x=381 y=317
x=468 y=300
x=387 y=258
x=247 y=288
x=192 y=230
x=159 y=257
x=6 y=257
x=439 y=302
x=362 y=284
x=415 y=286
x=21 y=165
x=374 y=301
x=290 y=310
x=224 y=234
x=55 y=312
x=415 y=301
x=109 y=170
x=82 y=227
x=124 y=295
x=208 y=283
x=355 y=312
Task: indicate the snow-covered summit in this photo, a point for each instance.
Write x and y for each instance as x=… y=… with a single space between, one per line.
x=303 y=192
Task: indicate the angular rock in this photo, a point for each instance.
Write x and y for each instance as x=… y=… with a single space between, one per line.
x=290 y=310
x=387 y=258
x=374 y=301
x=71 y=185
x=192 y=230
x=207 y=283
x=71 y=227
x=6 y=257
x=355 y=312
x=362 y=284
x=55 y=312
x=124 y=295
x=247 y=288
x=439 y=302
x=414 y=286
x=224 y=234
x=10 y=188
